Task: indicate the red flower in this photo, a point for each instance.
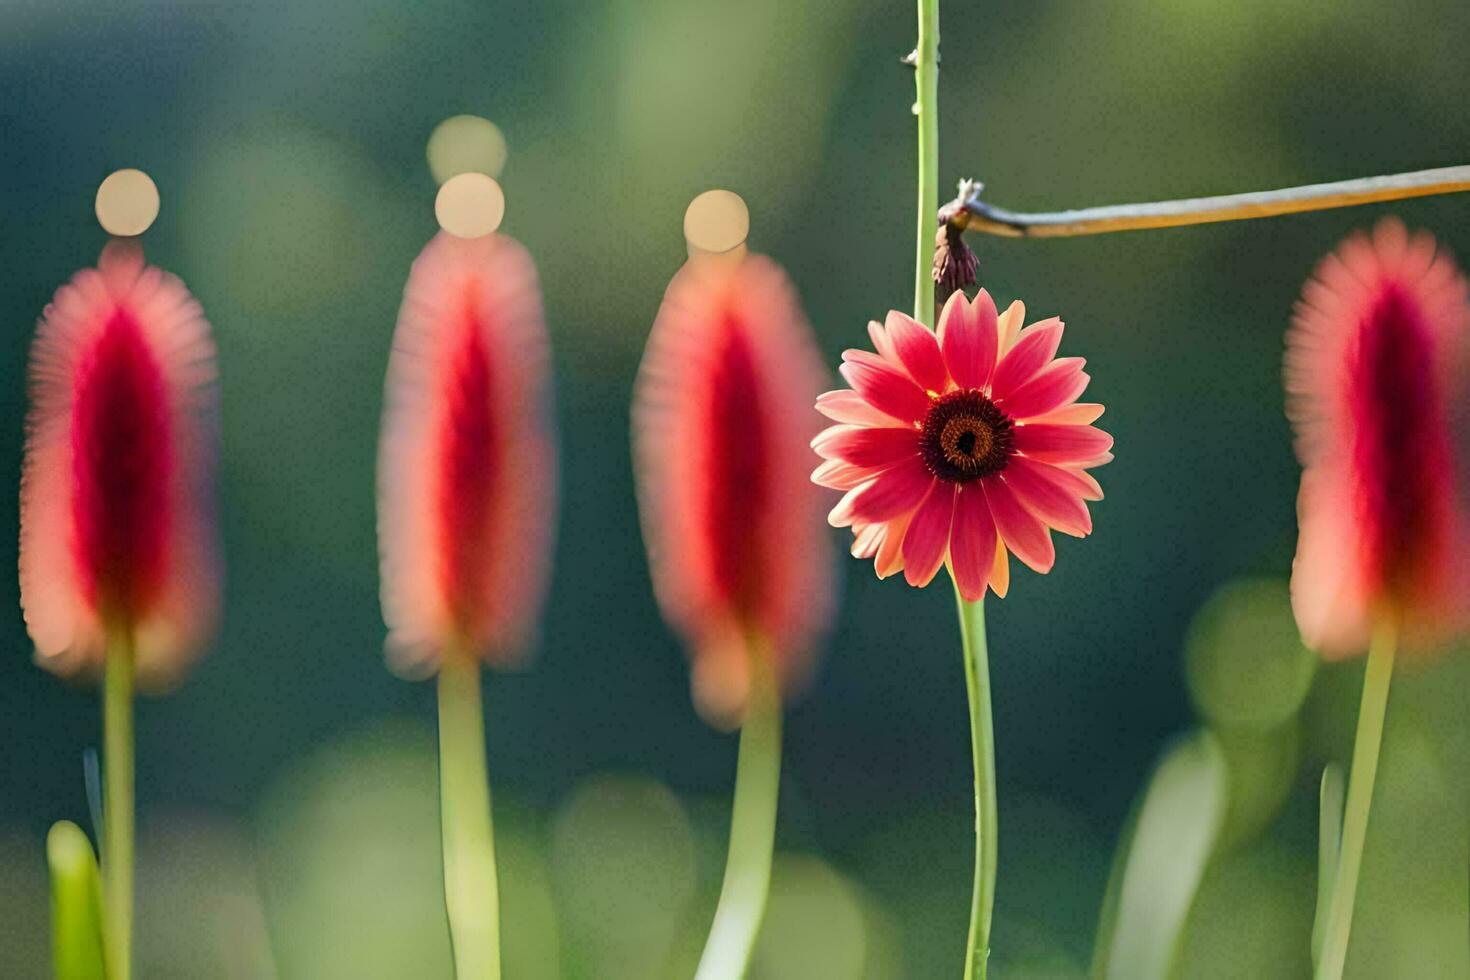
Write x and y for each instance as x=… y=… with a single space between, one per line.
x=466 y=465
x=116 y=518
x=953 y=449
x=1373 y=367
x=721 y=420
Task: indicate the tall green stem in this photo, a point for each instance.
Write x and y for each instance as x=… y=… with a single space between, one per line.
x=972 y=614
x=982 y=748
x=752 y=832
x=117 y=818
x=1369 y=740
x=926 y=108
x=471 y=893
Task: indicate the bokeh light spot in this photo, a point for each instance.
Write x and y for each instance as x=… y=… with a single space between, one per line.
x=470 y=205
x=717 y=221
x=814 y=925
x=1243 y=659
x=624 y=871
x=127 y=203
x=466 y=144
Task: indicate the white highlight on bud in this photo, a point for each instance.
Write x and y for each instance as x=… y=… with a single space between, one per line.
x=127 y=203
x=470 y=205
x=716 y=223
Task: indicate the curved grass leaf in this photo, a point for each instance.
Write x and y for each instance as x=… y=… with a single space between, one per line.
x=1329 y=842
x=76 y=913
x=1171 y=835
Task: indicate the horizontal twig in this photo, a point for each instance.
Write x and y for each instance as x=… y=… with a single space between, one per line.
x=969 y=212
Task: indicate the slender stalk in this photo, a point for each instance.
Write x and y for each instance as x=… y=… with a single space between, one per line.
x=752 y=831
x=926 y=108
x=972 y=614
x=1369 y=739
x=982 y=748
x=471 y=892
x=968 y=211
x=117 y=814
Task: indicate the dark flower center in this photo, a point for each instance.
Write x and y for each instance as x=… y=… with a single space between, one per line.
x=965 y=437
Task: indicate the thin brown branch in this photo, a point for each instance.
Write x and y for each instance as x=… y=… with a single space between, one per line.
x=968 y=211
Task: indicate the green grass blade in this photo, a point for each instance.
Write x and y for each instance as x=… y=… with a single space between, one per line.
x=76 y=905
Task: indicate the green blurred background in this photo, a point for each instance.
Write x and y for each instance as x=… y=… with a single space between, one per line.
x=286 y=792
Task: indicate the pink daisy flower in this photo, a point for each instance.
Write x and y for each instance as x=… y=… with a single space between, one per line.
x=1374 y=363
x=721 y=421
x=962 y=447
x=116 y=516
x=466 y=463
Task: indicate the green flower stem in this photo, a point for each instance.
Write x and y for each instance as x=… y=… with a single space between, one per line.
x=117 y=814
x=752 y=831
x=471 y=892
x=1369 y=740
x=982 y=747
x=926 y=108
x=972 y=614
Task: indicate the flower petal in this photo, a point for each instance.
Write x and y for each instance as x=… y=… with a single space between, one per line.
x=1034 y=349
x=1087 y=487
x=967 y=336
x=1074 y=445
x=891 y=493
x=1008 y=327
x=878 y=334
x=1000 y=572
x=846 y=405
x=918 y=351
x=1022 y=531
x=1050 y=389
x=863 y=446
x=889 y=560
x=1049 y=494
x=972 y=542
x=838 y=475
x=884 y=386
x=927 y=538
x=866 y=538
x=1082 y=413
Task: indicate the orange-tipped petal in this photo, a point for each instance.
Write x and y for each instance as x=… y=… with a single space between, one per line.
x=889 y=559
x=1008 y=327
x=117 y=528
x=466 y=462
x=1000 y=572
x=722 y=421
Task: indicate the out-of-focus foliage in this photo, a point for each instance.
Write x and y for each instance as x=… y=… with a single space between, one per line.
x=1244 y=661
x=1173 y=836
x=288 y=143
x=76 y=914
